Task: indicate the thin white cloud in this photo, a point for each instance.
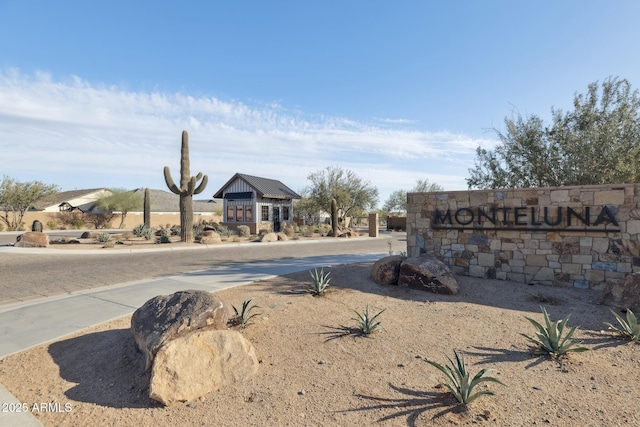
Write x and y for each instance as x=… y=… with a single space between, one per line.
x=78 y=135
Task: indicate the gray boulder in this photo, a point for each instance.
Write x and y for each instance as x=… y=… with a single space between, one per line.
x=428 y=273
x=167 y=317
x=196 y=364
x=623 y=293
x=386 y=271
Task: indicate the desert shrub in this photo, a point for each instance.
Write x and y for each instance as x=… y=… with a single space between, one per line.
x=224 y=231
x=126 y=235
x=290 y=231
x=324 y=229
x=319 y=282
x=306 y=231
x=244 y=231
x=549 y=339
x=175 y=230
x=262 y=232
x=629 y=328
x=367 y=324
x=459 y=380
x=103 y=237
x=243 y=316
x=77 y=224
x=164 y=239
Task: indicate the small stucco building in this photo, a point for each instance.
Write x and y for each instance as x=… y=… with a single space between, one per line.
x=260 y=203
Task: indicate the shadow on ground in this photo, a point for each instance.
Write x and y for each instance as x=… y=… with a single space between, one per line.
x=106 y=367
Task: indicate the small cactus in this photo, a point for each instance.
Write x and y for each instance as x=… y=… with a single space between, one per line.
x=36 y=226
x=147 y=208
x=334 y=217
x=186 y=190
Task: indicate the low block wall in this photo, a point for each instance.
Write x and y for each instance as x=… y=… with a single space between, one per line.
x=569 y=236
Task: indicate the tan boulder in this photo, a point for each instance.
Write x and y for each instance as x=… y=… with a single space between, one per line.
x=32 y=239
x=209 y=238
x=282 y=236
x=203 y=361
x=269 y=237
x=167 y=317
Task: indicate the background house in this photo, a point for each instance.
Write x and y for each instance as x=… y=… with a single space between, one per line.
x=73 y=209
x=259 y=203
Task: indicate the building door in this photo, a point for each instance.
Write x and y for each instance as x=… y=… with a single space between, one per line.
x=276 y=219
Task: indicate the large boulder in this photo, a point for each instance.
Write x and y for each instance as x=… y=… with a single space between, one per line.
x=167 y=317
x=269 y=237
x=428 y=273
x=386 y=271
x=32 y=239
x=623 y=293
x=209 y=237
x=203 y=361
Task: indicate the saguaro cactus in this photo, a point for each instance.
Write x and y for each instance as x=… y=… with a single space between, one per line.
x=147 y=208
x=334 y=217
x=186 y=190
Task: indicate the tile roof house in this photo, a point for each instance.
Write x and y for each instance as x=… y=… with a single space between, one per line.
x=259 y=203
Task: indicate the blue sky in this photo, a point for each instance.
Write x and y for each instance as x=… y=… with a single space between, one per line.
x=96 y=94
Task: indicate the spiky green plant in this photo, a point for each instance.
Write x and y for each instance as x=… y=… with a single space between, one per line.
x=629 y=328
x=243 y=316
x=186 y=190
x=138 y=230
x=459 y=380
x=367 y=324
x=549 y=339
x=103 y=237
x=319 y=282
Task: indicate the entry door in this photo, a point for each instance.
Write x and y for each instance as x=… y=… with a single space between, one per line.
x=276 y=219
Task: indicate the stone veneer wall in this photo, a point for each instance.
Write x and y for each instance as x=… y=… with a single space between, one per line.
x=518 y=243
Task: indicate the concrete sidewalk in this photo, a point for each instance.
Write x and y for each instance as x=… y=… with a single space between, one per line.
x=36 y=322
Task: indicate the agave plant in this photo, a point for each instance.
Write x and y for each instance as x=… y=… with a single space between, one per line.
x=549 y=339
x=460 y=382
x=243 y=316
x=628 y=328
x=320 y=282
x=367 y=324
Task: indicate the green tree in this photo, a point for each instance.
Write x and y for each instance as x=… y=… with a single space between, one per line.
x=598 y=142
x=397 y=201
x=352 y=194
x=17 y=197
x=120 y=201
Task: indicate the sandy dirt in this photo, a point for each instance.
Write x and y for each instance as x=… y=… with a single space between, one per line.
x=315 y=370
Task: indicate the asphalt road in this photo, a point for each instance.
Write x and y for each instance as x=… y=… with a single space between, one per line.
x=24 y=276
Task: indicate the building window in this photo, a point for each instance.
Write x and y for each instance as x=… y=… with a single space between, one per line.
x=239 y=213
x=229 y=213
x=248 y=217
x=285 y=213
x=265 y=213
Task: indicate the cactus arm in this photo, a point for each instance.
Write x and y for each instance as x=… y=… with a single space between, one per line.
x=169 y=181
x=202 y=185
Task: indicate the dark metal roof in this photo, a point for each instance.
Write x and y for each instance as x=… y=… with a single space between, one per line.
x=265 y=188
